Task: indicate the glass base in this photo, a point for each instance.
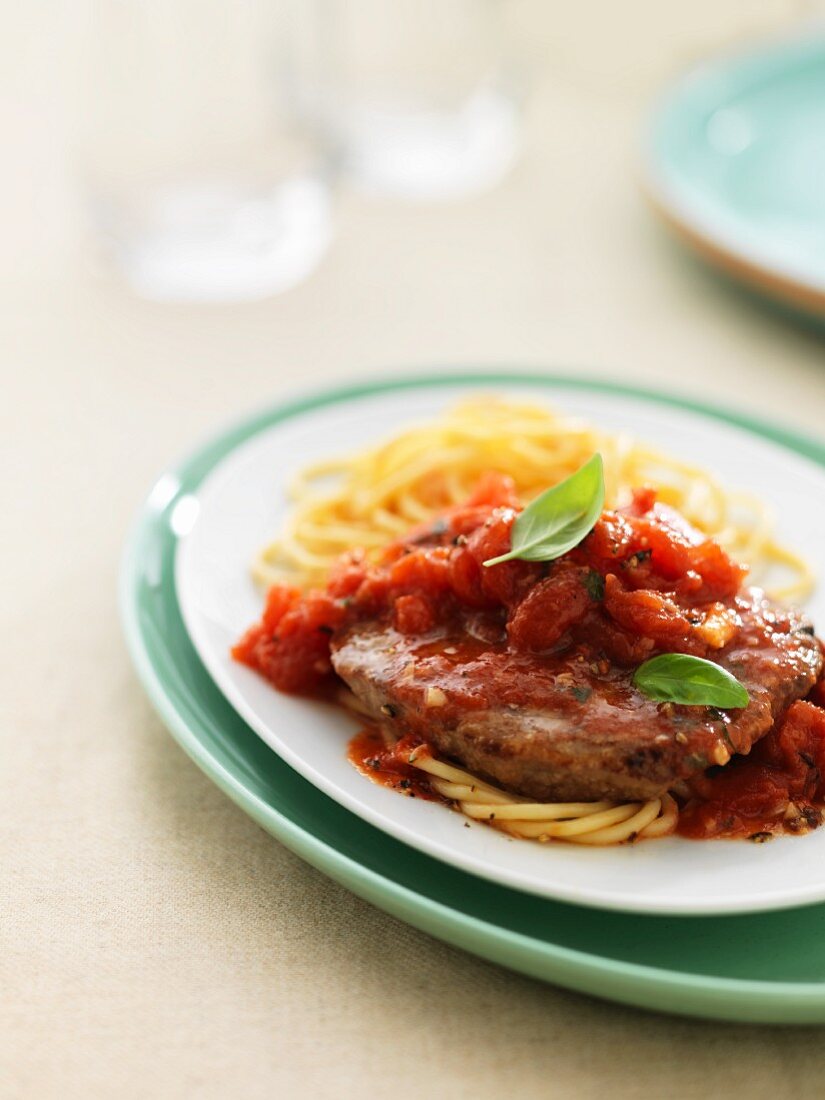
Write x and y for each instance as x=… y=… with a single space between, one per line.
x=219 y=241
x=431 y=155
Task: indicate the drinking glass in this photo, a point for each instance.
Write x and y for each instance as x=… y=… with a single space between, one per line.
x=422 y=96
x=201 y=180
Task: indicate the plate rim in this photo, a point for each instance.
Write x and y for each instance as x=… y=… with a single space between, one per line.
x=756 y=1000
x=667 y=197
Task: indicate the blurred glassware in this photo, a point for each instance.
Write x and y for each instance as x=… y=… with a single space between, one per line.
x=201 y=182
x=423 y=101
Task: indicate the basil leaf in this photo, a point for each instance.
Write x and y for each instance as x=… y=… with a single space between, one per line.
x=559 y=519
x=679 y=678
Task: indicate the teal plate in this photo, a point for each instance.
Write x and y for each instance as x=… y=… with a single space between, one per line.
x=766 y=967
x=736 y=163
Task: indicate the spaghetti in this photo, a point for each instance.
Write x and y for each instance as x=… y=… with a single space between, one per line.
x=380 y=492
x=593 y=823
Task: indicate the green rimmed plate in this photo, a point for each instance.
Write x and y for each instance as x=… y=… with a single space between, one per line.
x=735 y=160
x=760 y=967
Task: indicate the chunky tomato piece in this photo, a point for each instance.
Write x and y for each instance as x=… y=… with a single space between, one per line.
x=721 y=577
x=740 y=802
x=774 y=788
x=610 y=542
x=492 y=538
x=503 y=584
x=693 y=566
x=552 y=607
x=670 y=548
x=465 y=521
x=495 y=490
x=651 y=615
x=413 y=615
x=414 y=571
x=291 y=645
x=620 y=646
x=465 y=580
x=347 y=575
x=373 y=594
x=797 y=748
x=642 y=501
x=280 y=599
x=424 y=570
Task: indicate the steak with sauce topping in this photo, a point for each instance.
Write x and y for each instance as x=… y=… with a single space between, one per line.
x=564 y=728
x=523 y=671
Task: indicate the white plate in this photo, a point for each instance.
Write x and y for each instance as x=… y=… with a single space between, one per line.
x=242 y=504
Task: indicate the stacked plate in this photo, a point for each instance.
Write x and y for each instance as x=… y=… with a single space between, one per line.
x=721 y=929
x=735 y=162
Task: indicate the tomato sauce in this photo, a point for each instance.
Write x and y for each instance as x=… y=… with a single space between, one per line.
x=388 y=765
x=642 y=582
x=779 y=787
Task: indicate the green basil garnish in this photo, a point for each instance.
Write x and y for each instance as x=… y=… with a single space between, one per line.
x=559 y=519
x=679 y=678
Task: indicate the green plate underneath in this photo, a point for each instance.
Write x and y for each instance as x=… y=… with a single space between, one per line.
x=768 y=967
x=736 y=163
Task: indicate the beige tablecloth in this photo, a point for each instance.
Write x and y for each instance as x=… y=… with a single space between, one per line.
x=155 y=942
